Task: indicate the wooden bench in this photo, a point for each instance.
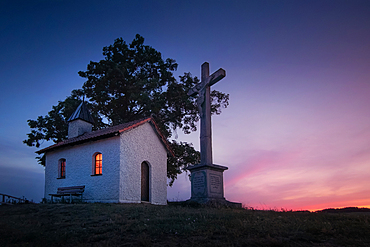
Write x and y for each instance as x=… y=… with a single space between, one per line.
x=68 y=191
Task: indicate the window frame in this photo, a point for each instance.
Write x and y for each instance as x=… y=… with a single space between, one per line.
x=97 y=166
x=62 y=168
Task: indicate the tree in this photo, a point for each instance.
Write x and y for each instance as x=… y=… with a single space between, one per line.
x=132 y=82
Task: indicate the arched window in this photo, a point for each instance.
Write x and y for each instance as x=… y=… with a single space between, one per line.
x=62 y=168
x=98 y=163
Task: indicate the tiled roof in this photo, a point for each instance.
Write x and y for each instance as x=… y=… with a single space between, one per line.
x=109 y=132
x=82 y=112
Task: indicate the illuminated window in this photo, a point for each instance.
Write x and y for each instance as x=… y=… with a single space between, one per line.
x=62 y=168
x=98 y=164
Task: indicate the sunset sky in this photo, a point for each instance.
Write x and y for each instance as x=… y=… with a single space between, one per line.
x=297 y=132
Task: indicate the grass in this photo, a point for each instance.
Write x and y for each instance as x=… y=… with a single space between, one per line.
x=148 y=225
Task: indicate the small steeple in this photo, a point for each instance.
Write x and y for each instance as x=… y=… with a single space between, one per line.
x=80 y=121
x=83 y=113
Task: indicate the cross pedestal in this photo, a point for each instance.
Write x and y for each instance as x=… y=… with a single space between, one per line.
x=207 y=182
x=207 y=186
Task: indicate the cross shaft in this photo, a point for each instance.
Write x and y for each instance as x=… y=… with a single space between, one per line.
x=203 y=89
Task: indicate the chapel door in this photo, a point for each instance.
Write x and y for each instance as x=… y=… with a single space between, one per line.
x=144 y=181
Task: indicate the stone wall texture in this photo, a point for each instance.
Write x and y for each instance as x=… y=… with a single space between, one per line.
x=78 y=127
x=121 y=170
x=79 y=170
x=138 y=145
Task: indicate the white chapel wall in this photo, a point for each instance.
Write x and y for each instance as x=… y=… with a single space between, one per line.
x=138 y=145
x=79 y=160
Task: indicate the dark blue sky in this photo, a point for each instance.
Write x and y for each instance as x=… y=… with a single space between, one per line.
x=297 y=75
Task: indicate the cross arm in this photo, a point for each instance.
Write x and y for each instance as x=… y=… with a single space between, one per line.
x=218 y=75
x=215 y=77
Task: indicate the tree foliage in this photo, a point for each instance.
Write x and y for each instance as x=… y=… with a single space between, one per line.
x=131 y=82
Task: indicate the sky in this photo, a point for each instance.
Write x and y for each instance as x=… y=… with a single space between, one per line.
x=296 y=134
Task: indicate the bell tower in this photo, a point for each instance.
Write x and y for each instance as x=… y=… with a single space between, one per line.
x=80 y=122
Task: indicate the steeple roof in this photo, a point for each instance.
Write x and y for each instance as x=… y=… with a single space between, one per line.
x=83 y=113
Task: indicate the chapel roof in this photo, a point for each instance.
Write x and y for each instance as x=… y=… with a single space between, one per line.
x=82 y=112
x=109 y=132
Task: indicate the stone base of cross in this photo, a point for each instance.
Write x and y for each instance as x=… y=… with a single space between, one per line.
x=207 y=183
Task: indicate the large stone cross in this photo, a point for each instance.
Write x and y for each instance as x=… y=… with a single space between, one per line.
x=203 y=89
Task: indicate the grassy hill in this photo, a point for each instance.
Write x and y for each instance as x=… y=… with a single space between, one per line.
x=148 y=225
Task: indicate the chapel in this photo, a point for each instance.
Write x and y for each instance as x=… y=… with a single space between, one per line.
x=126 y=163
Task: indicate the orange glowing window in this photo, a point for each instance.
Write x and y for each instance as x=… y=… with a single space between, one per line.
x=98 y=163
x=62 y=168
